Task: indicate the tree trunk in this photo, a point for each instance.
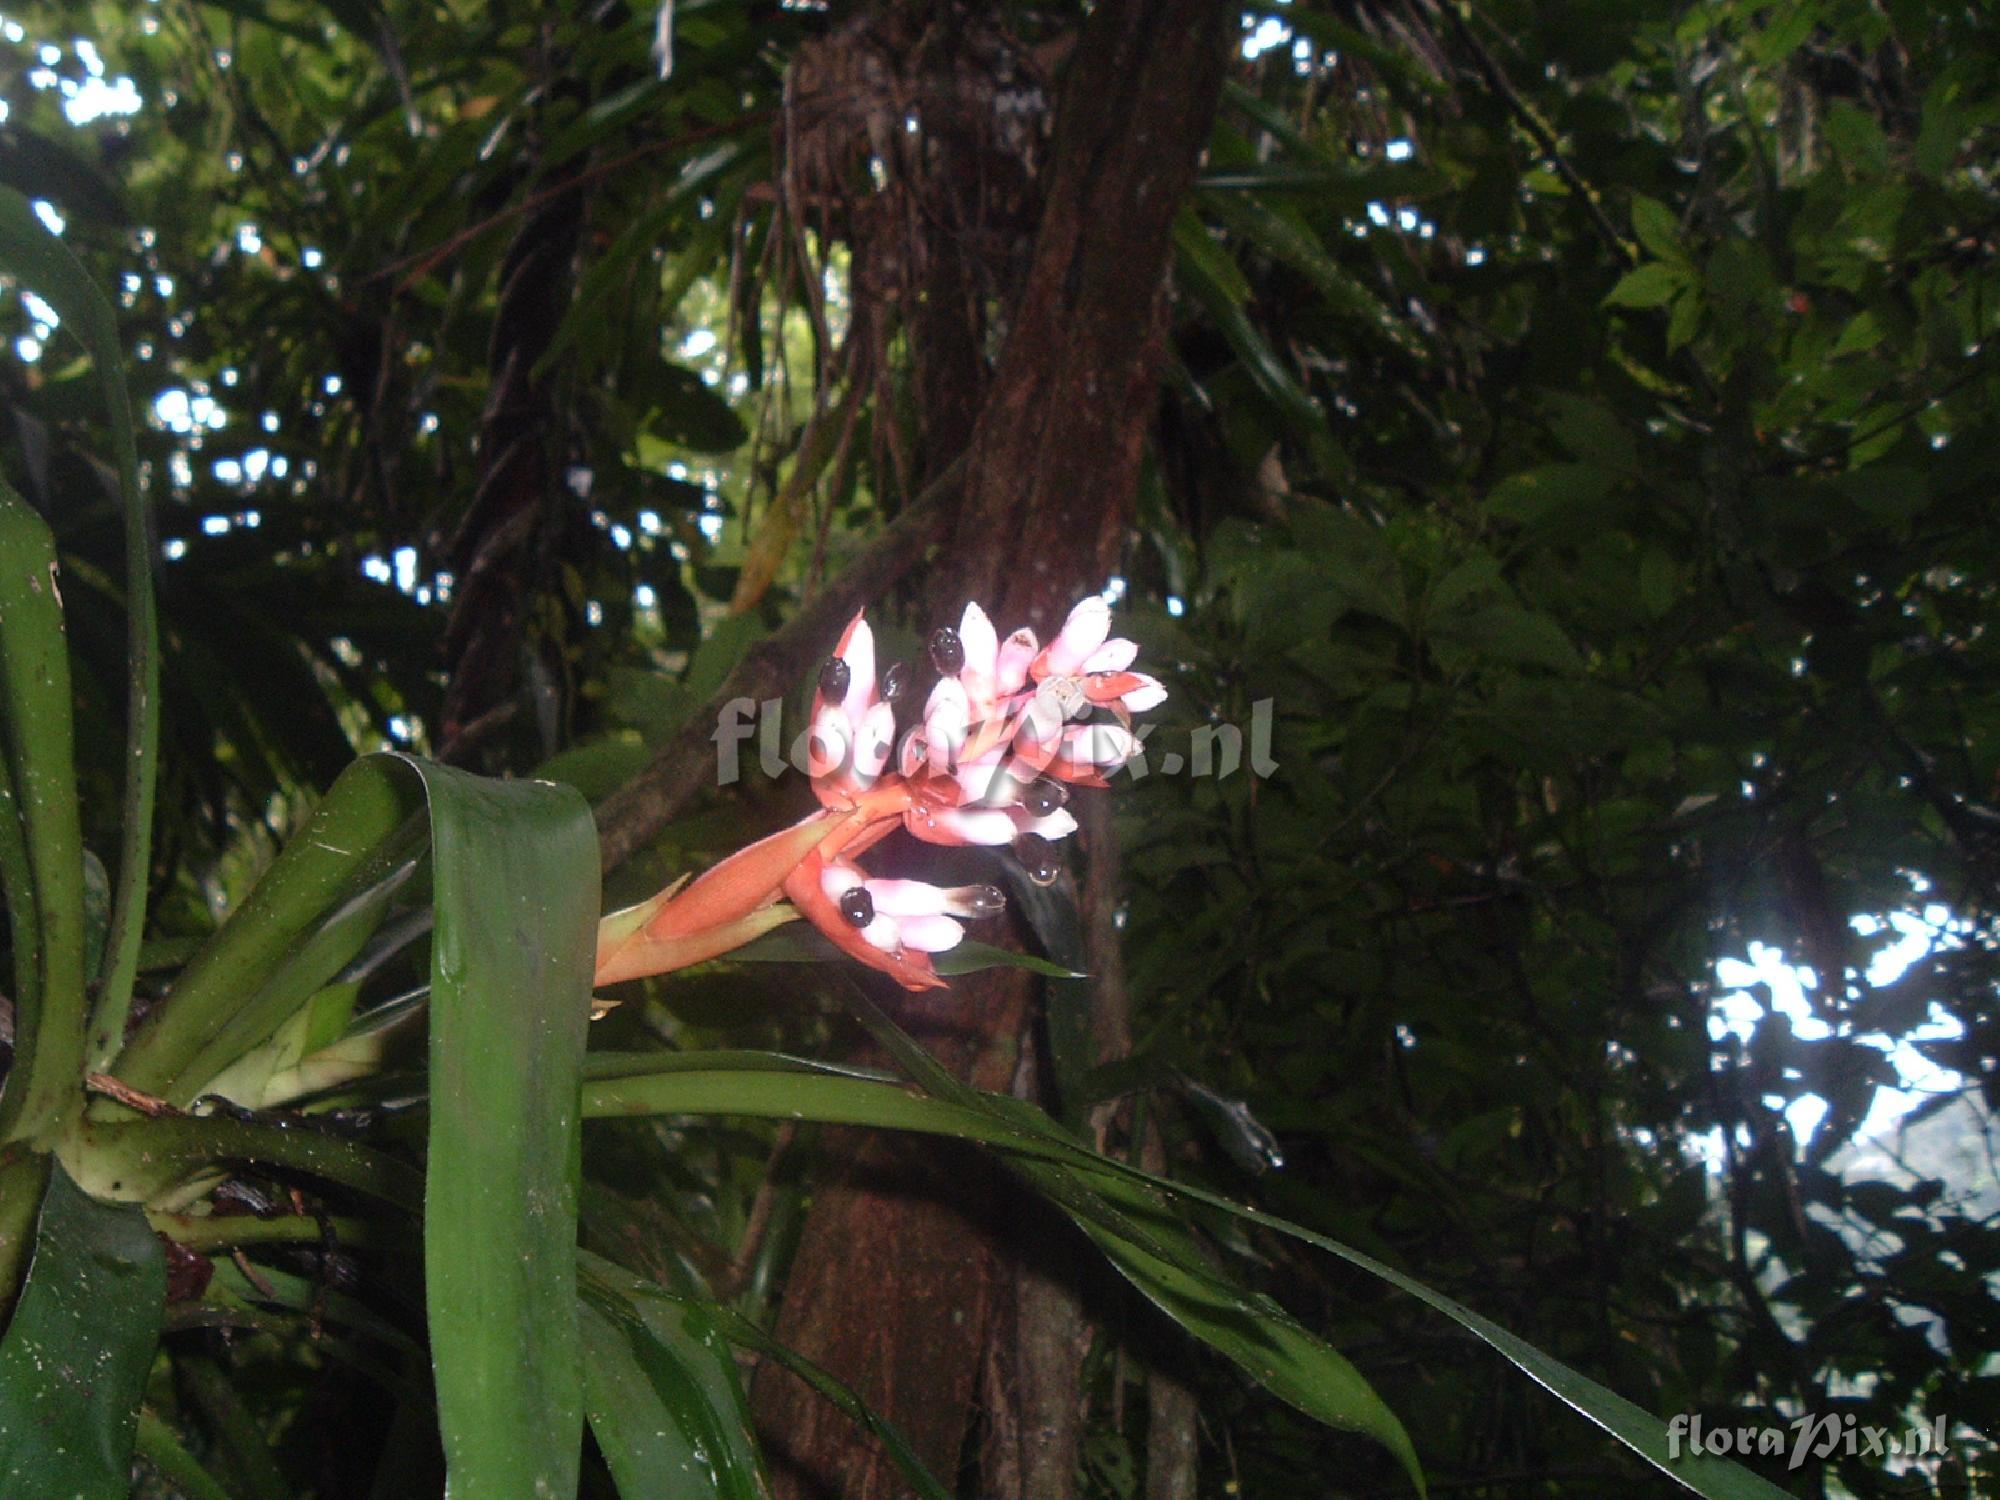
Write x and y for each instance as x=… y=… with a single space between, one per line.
x=506 y=549
x=907 y=1257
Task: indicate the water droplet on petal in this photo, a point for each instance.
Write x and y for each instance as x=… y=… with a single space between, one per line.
x=1043 y=796
x=977 y=901
x=1038 y=858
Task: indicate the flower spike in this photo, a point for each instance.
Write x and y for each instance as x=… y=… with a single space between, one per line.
x=1010 y=725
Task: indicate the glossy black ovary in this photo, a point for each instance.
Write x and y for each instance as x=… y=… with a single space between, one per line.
x=834 y=677
x=947 y=651
x=857 y=906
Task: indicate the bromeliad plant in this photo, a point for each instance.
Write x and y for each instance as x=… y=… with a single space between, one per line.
x=123 y=1138
x=1006 y=730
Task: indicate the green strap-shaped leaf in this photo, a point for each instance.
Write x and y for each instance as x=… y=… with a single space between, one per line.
x=239 y=1440
x=74 y=1361
x=665 y=1404
x=1032 y=1141
x=515 y=904
x=279 y=947
x=516 y=892
x=1149 y=1244
x=612 y=1283
x=718 y=1060
x=305 y=971
x=790 y=1094
x=139 y=1159
x=1165 y=1263
x=1639 y=1430
x=22 y=1176
x=161 y=1449
x=1205 y=271
x=17 y=887
x=1635 y=1427
x=47 y=853
x=1132 y=1222
x=41 y=261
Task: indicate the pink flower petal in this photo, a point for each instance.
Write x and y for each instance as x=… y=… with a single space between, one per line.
x=830 y=741
x=838 y=880
x=977 y=825
x=873 y=742
x=1115 y=655
x=860 y=658
x=1023 y=771
x=1010 y=671
x=1043 y=720
x=982 y=651
x=1059 y=824
x=885 y=932
x=1151 y=694
x=908 y=898
x=1098 y=744
x=931 y=934
x=985 y=781
x=947 y=717
x=1082 y=633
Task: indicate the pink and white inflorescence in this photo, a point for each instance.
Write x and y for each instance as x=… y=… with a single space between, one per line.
x=1009 y=728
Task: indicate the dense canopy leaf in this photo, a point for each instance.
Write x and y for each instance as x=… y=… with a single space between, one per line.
x=1566 y=870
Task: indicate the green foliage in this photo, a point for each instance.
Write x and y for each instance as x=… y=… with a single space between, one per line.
x=76 y=1352
x=665 y=1403
x=514 y=878
x=1617 y=643
x=1578 y=437
x=43 y=845
x=31 y=253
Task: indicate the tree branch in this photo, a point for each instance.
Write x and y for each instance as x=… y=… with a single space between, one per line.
x=638 y=810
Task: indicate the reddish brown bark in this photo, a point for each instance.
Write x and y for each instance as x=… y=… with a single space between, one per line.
x=1055 y=456
x=893 y=1287
x=903 y=1283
